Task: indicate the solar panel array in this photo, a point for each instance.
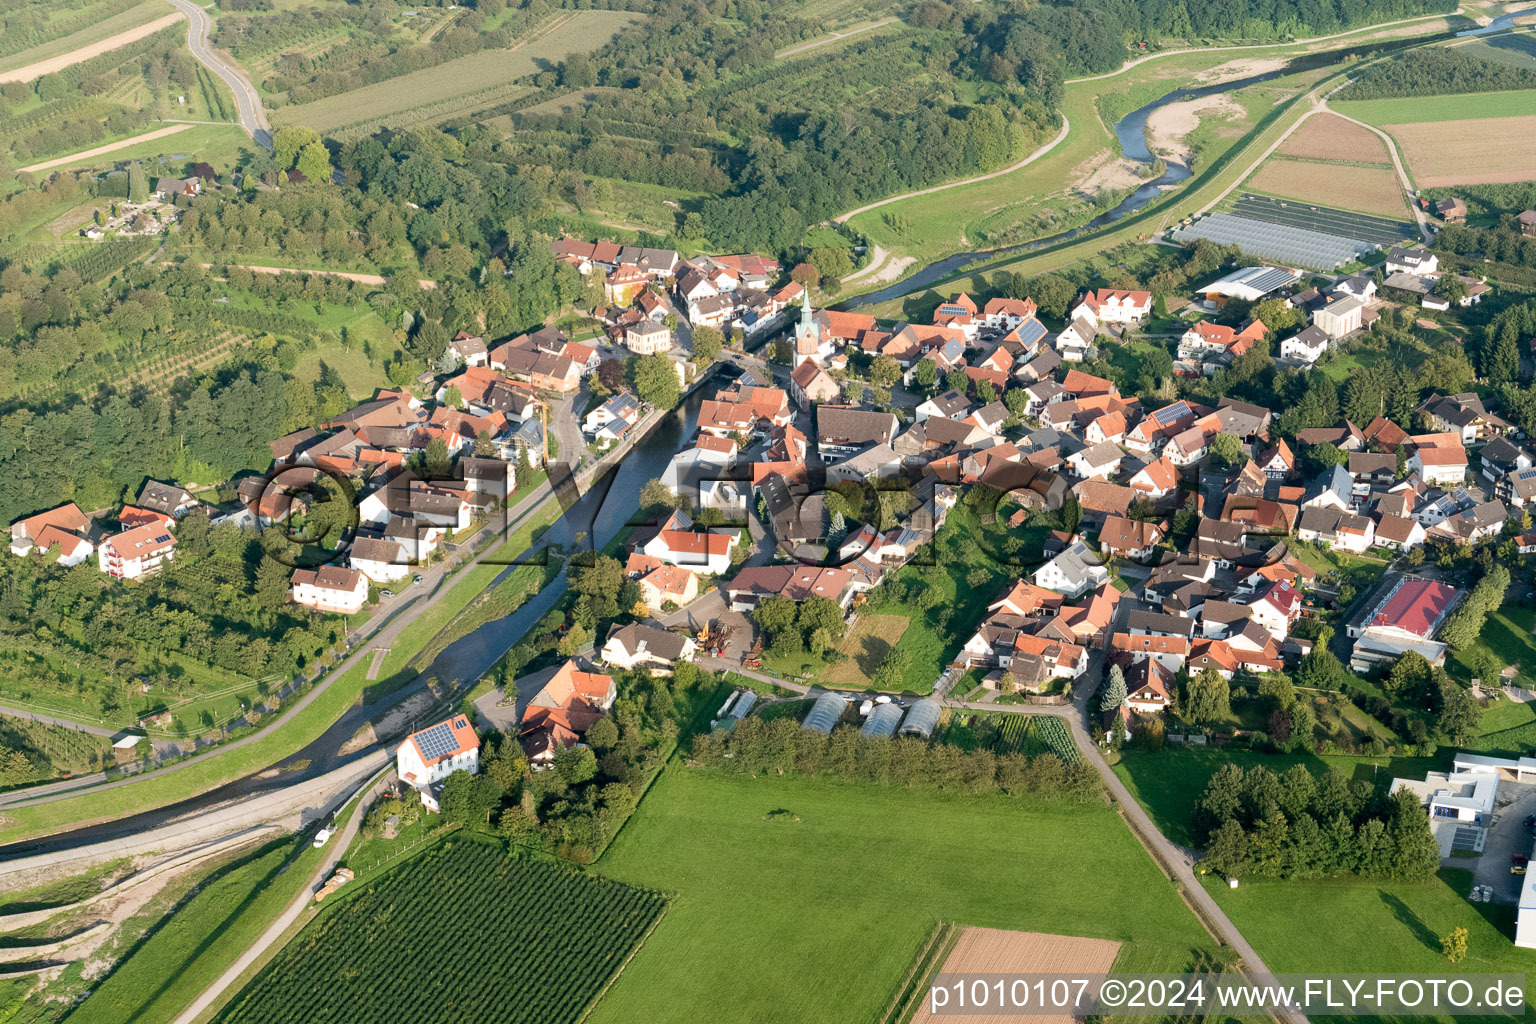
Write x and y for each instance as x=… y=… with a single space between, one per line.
x=1030 y=331
x=437 y=742
x=1345 y=223
x=1269 y=279
x=1276 y=241
x=1171 y=414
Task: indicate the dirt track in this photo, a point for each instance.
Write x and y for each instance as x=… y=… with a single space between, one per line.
x=158 y=133
x=52 y=64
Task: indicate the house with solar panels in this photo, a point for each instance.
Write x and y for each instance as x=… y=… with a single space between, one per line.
x=426 y=758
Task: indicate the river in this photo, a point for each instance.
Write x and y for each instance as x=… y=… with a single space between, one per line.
x=1131 y=133
x=595 y=518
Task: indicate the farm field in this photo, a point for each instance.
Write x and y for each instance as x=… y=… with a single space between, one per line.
x=995 y=951
x=1415 y=109
x=542 y=941
x=461 y=85
x=1005 y=733
x=1489 y=151
x=1327 y=136
x=1366 y=189
x=851 y=882
x=1515 y=50
x=131 y=20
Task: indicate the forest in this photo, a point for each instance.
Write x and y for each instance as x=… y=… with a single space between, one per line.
x=1436 y=71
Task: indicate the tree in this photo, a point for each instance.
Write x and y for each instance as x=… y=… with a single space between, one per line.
x=956 y=380
x=436 y=463
x=610 y=373
x=892 y=669
x=1053 y=294
x=655 y=381
x=926 y=374
x=1114 y=690
x=707 y=343
x=272 y=583
x=314 y=163
x=1454 y=945
x=1227 y=450
x=1460 y=713
x=467 y=798
x=884 y=371
x=138 y=184
x=576 y=639
x=1275 y=314
x=1228 y=850
x=1207 y=697
x=576 y=764
x=657 y=500
x=1451 y=288
x=289 y=141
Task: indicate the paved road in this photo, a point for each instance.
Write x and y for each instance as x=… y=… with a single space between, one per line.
x=290 y=914
x=10 y=711
x=247 y=100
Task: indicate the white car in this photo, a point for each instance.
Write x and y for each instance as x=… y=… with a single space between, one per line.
x=323 y=836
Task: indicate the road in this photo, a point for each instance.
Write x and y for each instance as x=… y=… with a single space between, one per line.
x=1066 y=126
x=247 y=100
x=290 y=914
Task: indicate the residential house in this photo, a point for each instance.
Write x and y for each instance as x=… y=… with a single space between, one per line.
x=843 y=430
x=563 y=709
x=378 y=558
x=1440 y=466
x=329 y=588
x=427 y=757
x=64 y=527
x=1463 y=415
x=1336 y=529
x=709 y=553
x=1073 y=572
x=1129 y=538
x=796 y=582
x=952 y=405
x=1419 y=262
x=1340 y=318
x=1100 y=462
x=174 y=501
x=1156 y=479
x=1149 y=687
x=1306 y=346
x=136 y=553
x=1074 y=343
x=639 y=645
x=810 y=383
x=662 y=584
x=1114 y=306
x=647 y=338
x=1398 y=532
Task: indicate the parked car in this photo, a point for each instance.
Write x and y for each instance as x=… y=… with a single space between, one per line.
x=323 y=836
x=417 y=579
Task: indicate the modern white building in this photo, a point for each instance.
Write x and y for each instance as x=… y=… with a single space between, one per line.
x=428 y=757
x=1455 y=796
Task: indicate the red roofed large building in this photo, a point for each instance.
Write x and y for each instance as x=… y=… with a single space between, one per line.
x=429 y=756
x=1404 y=619
x=708 y=553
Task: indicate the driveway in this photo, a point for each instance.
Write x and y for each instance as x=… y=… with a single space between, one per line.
x=1506 y=837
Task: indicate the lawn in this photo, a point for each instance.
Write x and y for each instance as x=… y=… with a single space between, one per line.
x=1169 y=782
x=1410 y=109
x=1360 y=925
x=818 y=914
x=1507 y=636
x=218 y=144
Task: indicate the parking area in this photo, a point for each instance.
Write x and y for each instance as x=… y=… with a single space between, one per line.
x=1505 y=837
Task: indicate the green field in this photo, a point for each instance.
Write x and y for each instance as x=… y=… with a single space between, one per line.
x=463 y=933
x=1374 y=926
x=817 y=914
x=218 y=144
x=1414 y=109
x=458 y=86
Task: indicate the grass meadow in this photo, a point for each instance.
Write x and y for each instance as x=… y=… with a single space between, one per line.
x=818 y=914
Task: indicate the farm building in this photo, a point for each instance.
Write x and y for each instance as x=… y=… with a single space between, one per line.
x=829 y=707
x=882 y=721
x=1249 y=284
x=922 y=718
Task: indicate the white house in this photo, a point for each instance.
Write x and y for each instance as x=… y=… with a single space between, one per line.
x=1439 y=466
x=1100 y=462
x=1419 y=262
x=136 y=553
x=1075 y=340
x=330 y=588
x=65 y=527
x=428 y=757
x=1341 y=317
x=641 y=646
x=709 y=553
x=380 y=559
x=1114 y=306
x=1455 y=796
x=1307 y=346
x=1074 y=572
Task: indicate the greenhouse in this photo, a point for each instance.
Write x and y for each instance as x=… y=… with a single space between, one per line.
x=922 y=718
x=882 y=721
x=828 y=709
